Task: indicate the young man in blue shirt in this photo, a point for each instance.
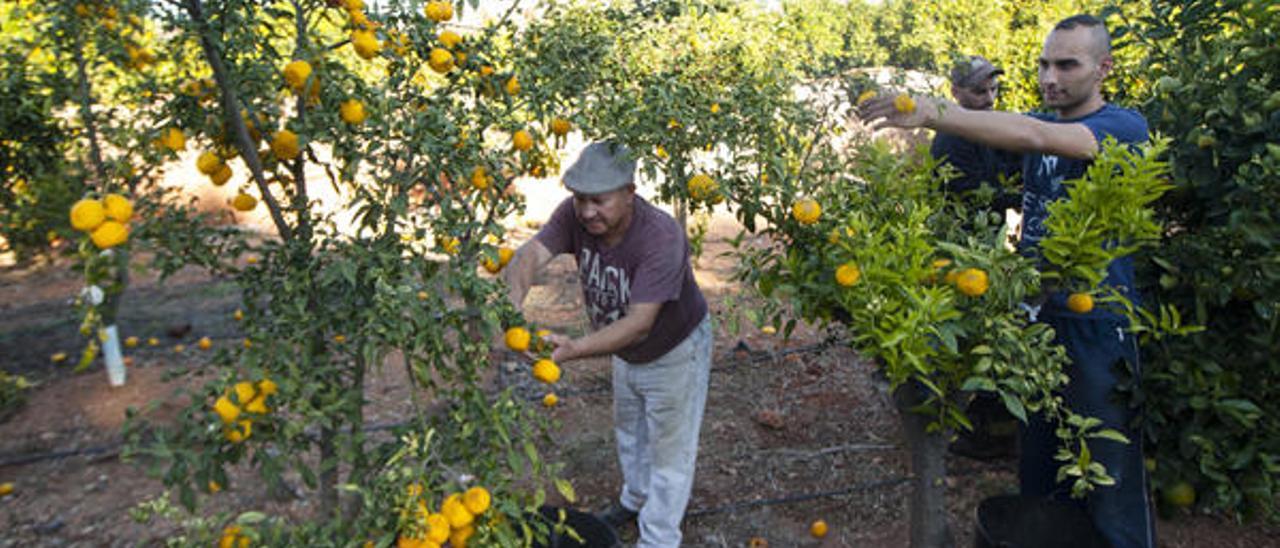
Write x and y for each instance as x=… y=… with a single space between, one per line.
x=1056 y=147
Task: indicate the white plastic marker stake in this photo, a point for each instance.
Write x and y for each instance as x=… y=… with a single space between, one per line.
x=111 y=353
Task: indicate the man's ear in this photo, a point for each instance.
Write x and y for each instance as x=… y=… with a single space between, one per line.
x=1105 y=64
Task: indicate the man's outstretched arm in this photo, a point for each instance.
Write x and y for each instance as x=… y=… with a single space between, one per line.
x=1001 y=130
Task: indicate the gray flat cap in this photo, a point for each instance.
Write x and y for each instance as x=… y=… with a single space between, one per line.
x=601 y=167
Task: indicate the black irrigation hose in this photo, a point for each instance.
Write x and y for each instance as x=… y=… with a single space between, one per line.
x=112 y=449
x=860 y=487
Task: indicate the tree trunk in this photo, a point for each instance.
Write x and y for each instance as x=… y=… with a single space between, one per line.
x=928 y=472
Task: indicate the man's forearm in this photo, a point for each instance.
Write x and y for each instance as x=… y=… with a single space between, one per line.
x=519 y=274
x=1013 y=132
x=613 y=338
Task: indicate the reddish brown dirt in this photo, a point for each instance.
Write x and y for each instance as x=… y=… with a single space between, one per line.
x=786 y=439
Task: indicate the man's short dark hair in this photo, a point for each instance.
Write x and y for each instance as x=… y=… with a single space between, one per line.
x=1098 y=26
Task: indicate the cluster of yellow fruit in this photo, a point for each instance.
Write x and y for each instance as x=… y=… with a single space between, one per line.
x=504 y=256
x=970 y=281
x=248 y=396
x=518 y=339
x=806 y=211
x=454 y=523
x=702 y=188
x=438 y=11
x=106 y=220
x=902 y=102
x=233 y=537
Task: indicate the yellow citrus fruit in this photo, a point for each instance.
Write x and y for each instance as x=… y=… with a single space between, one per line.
x=173 y=139
x=257 y=405
x=204 y=343
x=560 y=126
x=1080 y=303
x=6 y=489
x=806 y=211
x=221 y=176
x=456 y=512
x=245 y=391
x=972 y=282
x=131 y=342
x=769 y=330
x=504 y=255
x=267 y=387
x=818 y=529
x=58 y=357
x=238 y=434
x=512 y=86
x=214 y=486
x=439 y=11
x=179 y=347
x=517 y=339
x=284 y=144
x=208 y=162
x=226 y=410
x=757 y=542
x=480 y=179
x=449 y=38
x=118 y=207
x=352 y=112
x=848 y=274
x=87 y=214
x=365 y=43
x=715 y=108
x=340 y=338
x=522 y=141
x=437 y=528
x=1180 y=495
x=904 y=104
x=941 y=263
x=701 y=187
x=550 y=400
x=422 y=295
x=353 y=5
x=546 y=371
x=238 y=315
x=449 y=244
x=244 y=202
x=440 y=60
x=477 y=500
x=110 y=234
x=458 y=538
x=296 y=74
x=152 y=341
x=865 y=96
x=490 y=265
x=486 y=70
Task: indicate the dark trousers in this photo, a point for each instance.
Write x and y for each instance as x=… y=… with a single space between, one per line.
x=1121 y=512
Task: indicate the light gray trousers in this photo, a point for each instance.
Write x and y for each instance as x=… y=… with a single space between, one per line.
x=657 y=413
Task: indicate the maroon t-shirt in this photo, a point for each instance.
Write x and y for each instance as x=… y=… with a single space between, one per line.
x=649 y=265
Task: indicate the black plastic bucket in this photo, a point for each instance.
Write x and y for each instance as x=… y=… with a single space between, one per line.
x=594 y=532
x=1014 y=521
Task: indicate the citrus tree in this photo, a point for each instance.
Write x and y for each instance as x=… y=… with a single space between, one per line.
x=419 y=125
x=1212 y=425
x=862 y=235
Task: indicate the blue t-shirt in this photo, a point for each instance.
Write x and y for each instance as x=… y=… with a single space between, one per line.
x=978 y=164
x=1043 y=175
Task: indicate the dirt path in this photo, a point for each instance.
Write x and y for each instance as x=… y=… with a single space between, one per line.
x=793 y=431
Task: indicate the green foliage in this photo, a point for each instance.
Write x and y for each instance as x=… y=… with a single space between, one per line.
x=327 y=303
x=13 y=394
x=37 y=186
x=1211 y=405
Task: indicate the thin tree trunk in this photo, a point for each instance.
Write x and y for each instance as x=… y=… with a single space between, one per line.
x=928 y=472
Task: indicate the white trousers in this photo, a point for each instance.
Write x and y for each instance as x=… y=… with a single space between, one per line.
x=657 y=413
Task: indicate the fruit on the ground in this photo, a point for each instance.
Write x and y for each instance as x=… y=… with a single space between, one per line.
x=818 y=529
